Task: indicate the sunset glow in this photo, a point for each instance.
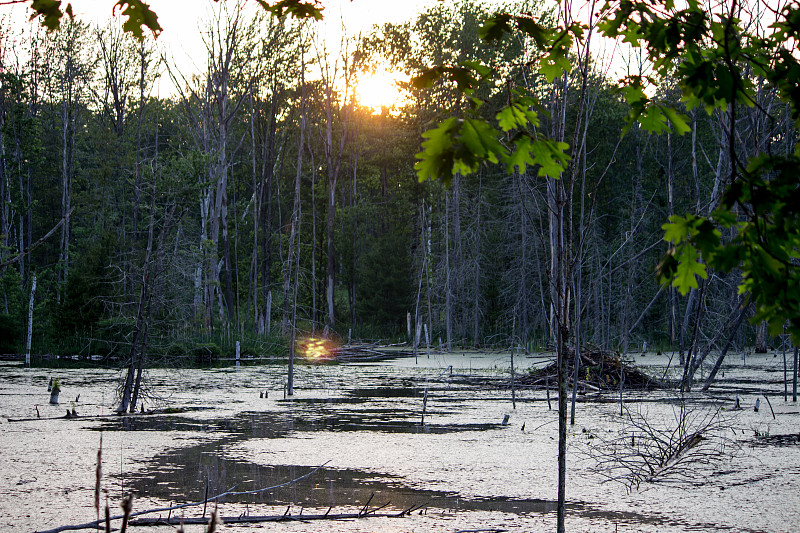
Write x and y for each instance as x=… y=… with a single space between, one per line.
x=380 y=89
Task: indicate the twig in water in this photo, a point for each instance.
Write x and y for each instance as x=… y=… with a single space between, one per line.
x=205 y=500
x=373 y=511
x=366 y=504
x=212 y=524
x=770 y=405
x=127 y=506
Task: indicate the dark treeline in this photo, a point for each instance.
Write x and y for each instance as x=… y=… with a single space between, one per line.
x=262 y=195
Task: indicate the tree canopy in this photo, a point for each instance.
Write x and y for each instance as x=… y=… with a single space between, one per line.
x=719 y=63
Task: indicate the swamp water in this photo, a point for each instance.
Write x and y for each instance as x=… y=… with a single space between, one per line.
x=361 y=422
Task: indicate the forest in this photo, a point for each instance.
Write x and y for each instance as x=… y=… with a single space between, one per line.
x=263 y=196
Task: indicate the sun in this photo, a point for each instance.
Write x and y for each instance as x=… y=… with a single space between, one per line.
x=380 y=88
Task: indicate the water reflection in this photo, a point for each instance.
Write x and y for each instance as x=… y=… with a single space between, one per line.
x=186 y=474
x=274 y=425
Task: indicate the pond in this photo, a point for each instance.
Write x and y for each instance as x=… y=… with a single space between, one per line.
x=352 y=438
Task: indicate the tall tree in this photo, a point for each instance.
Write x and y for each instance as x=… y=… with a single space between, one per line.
x=337 y=76
x=67 y=64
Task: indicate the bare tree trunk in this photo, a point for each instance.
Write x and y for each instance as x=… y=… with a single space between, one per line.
x=578 y=272
x=293 y=259
x=522 y=296
x=673 y=296
x=289 y=311
x=67 y=158
x=267 y=177
x=476 y=312
x=5 y=196
x=22 y=211
x=354 y=243
x=30 y=323
x=794 y=376
x=313 y=240
x=761 y=338
x=133 y=378
x=457 y=266
x=329 y=287
x=230 y=302
x=713 y=374
x=690 y=304
x=258 y=322
x=136 y=353
x=447 y=285
x=699 y=357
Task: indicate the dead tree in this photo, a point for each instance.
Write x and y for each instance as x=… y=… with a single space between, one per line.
x=646 y=451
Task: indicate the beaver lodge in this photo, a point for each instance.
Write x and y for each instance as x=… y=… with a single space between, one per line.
x=599 y=370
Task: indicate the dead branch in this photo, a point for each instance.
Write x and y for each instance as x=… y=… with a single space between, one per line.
x=37 y=243
x=646 y=452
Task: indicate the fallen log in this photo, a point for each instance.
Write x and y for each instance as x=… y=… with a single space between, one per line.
x=356 y=353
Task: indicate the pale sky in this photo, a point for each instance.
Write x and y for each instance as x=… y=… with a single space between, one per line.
x=181 y=39
x=181 y=19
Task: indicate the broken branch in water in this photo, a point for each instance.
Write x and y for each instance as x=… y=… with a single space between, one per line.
x=285 y=517
x=98 y=523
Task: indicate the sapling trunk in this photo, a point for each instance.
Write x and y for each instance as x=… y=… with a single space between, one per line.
x=785 y=375
x=424 y=406
x=794 y=377
x=513 y=391
x=30 y=323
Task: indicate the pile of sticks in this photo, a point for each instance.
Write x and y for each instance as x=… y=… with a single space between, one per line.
x=599 y=370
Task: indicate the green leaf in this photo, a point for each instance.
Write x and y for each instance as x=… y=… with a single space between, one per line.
x=540 y=35
x=478 y=67
x=517 y=115
x=689 y=267
x=461 y=74
x=457 y=146
x=50 y=11
x=436 y=158
x=667 y=267
x=426 y=78
x=548 y=154
x=298 y=9
x=509 y=118
x=139 y=14
x=652 y=119
x=554 y=65
x=677 y=229
x=552 y=157
x=495 y=27
x=676 y=120
x=521 y=156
